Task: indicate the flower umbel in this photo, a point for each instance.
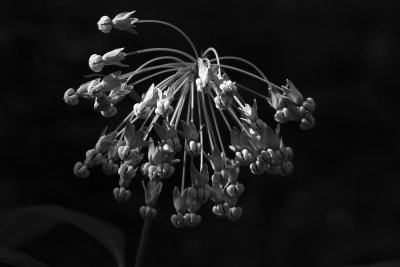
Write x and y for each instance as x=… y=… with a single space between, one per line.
x=192 y=104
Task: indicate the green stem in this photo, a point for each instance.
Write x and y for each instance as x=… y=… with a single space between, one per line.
x=175 y=28
x=144 y=237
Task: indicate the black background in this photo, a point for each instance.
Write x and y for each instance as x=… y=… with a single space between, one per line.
x=339 y=207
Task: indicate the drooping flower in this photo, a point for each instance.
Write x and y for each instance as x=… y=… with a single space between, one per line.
x=123 y=21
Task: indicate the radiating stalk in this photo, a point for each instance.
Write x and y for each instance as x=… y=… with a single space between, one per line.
x=245 y=61
x=201 y=131
x=162 y=49
x=212 y=49
x=251 y=75
x=251 y=91
x=175 y=28
x=210 y=131
x=216 y=126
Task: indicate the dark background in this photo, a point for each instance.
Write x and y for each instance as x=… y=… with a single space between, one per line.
x=339 y=207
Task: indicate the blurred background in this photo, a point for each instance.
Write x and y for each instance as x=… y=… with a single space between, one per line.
x=340 y=206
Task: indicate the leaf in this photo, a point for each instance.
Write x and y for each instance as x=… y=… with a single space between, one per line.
x=17 y=258
x=22 y=225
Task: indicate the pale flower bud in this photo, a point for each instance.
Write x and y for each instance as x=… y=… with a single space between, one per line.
x=104 y=24
x=96 y=63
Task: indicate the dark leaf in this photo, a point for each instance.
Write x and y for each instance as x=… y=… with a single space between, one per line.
x=20 y=226
x=17 y=258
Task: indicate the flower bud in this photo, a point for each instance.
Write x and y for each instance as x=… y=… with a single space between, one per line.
x=257 y=167
x=122 y=194
x=70 y=97
x=102 y=103
x=152 y=172
x=147 y=212
x=235 y=213
x=81 y=170
x=112 y=111
x=287 y=168
x=177 y=220
x=96 y=63
x=94 y=88
x=104 y=24
x=93 y=158
x=235 y=189
x=141 y=110
x=123 y=152
x=145 y=168
x=309 y=105
x=126 y=171
x=109 y=167
x=307 y=122
x=194 y=206
x=192 y=219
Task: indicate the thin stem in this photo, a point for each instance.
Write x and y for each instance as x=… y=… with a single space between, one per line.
x=201 y=131
x=145 y=120
x=181 y=102
x=144 y=237
x=175 y=28
x=162 y=49
x=184 y=157
x=235 y=117
x=251 y=91
x=210 y=131
x=222 y=113
x=216 y=57
x=251 y=75
x=153 y=75
x=238 y=102
x=245 y=61
x=130 y=115
x=216 y=126
x=150 y=127
x=129 y=75
x=191 y=101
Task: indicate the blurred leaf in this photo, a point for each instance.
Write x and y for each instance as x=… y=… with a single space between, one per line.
x=22 y=225
x=17 y=258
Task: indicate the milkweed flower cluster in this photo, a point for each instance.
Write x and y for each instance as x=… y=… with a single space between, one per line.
x=175 y=129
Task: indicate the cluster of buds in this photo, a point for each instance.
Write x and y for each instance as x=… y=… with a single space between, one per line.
x=211 y=80
x=195 y=88
x=291 y=106
x=259 y=146
x=162 y=157
x=225 y=189
x=105 y=93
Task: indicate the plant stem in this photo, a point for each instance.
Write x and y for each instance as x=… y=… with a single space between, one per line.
x=175 y=28
x=144 y=237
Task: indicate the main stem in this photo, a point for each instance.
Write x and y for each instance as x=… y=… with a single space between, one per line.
x=144 y=237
